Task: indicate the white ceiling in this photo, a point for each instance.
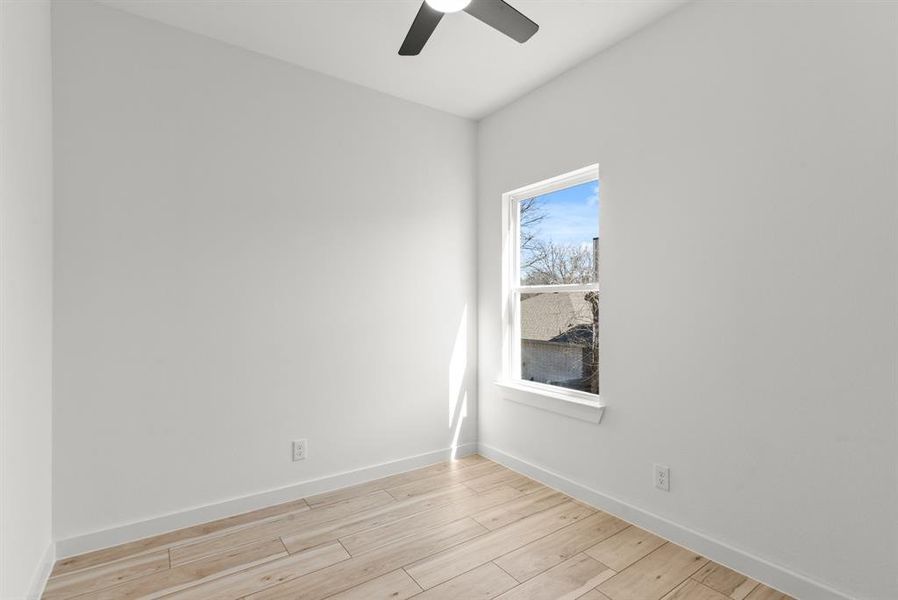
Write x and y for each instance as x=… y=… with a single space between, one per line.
x=467 y=68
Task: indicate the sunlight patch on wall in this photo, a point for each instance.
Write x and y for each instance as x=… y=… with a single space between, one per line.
x=458 y=393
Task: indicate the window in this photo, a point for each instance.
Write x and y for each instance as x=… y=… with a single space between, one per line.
x=551 y=285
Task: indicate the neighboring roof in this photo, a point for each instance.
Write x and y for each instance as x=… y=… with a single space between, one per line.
x=562 y=317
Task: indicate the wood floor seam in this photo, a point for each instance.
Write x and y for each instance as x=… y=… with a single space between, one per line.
x=504 y=571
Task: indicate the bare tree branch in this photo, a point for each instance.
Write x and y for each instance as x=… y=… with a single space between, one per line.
x=550 y=263
x=531 y=215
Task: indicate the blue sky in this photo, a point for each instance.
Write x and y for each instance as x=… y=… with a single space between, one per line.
x=572 y=215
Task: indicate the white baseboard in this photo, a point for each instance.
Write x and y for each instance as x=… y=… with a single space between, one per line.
x=203 y=514
x=39 y=583
x=798 y=586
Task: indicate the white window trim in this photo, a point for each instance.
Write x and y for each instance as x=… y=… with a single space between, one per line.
x=572 y=403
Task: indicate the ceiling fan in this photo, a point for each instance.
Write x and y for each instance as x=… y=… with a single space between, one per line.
x=496 y=13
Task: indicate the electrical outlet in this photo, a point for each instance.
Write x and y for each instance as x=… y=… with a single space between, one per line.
x=662 y=477
x=300 y=447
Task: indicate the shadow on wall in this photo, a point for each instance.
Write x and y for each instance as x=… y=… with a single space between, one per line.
x=458 y=390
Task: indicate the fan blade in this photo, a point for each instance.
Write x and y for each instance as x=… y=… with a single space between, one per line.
x=422 y=27
x=505 y=18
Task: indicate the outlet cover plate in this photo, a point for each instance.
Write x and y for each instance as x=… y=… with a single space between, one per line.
x=662 y=477
x=300 y=449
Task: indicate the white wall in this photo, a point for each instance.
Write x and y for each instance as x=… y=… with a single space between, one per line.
x=26 y=253
x=748 y=165
x=247 y=253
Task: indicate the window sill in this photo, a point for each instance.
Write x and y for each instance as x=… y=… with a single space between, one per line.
x=570 y=403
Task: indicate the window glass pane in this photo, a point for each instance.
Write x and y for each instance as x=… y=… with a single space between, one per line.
x=559 y=236
x=559 y=339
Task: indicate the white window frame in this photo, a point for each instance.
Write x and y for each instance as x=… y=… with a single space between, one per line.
x=574 y=403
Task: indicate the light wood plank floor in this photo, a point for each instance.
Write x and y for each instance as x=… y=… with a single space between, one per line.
x=466 y=530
